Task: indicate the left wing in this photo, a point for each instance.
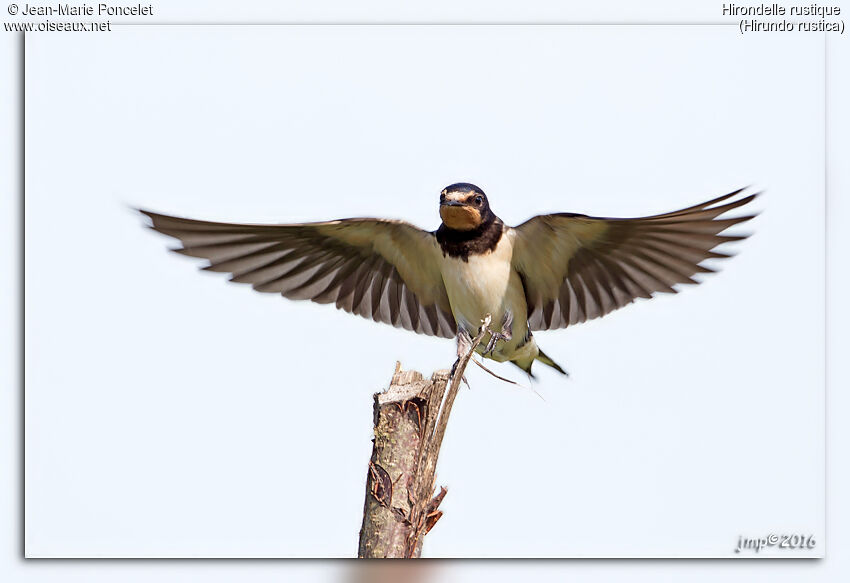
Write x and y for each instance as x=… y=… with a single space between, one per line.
x=379 y=269
x=575 y=267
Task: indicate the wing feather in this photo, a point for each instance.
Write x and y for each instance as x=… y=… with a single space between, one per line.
x=575 y=267
x=384 y=270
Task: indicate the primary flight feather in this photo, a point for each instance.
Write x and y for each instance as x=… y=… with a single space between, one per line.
x=550 y=272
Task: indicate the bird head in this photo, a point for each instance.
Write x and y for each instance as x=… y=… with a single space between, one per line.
x=464 y=207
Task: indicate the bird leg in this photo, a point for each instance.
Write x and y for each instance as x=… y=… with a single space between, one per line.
x=505 y=334
x=464 y=344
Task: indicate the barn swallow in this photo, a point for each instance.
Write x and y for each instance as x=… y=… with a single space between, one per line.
x=550 y=272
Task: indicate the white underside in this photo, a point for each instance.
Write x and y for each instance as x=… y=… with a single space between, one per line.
x=487 y=284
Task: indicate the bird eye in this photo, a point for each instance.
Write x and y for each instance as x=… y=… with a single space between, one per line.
x=478 y=200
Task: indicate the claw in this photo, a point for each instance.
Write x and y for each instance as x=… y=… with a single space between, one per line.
x=491 y=345
x=454 y=368
x=505 y=334
x=464 y=341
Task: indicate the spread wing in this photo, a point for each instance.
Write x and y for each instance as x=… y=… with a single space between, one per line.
x=379 y=269
x=576 y=268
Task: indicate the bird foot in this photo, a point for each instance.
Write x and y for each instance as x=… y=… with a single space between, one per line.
x=464 y=344
x=505 y=334
x=494 y=337
x=454 y=369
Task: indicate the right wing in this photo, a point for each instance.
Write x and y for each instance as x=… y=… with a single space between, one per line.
x=576 y=268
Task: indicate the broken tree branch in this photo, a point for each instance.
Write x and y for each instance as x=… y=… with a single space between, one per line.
x=410 y=420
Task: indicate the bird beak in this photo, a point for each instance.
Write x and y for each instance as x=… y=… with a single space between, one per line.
x=452 y=203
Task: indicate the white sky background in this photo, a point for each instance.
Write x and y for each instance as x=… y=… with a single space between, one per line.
x=170 y=413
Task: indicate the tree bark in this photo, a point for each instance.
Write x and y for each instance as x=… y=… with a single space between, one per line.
x=410 y=420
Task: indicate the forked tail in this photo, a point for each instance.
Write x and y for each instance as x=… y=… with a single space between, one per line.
x=542 y=357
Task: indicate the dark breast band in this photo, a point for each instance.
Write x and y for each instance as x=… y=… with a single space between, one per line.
x=462 y=244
